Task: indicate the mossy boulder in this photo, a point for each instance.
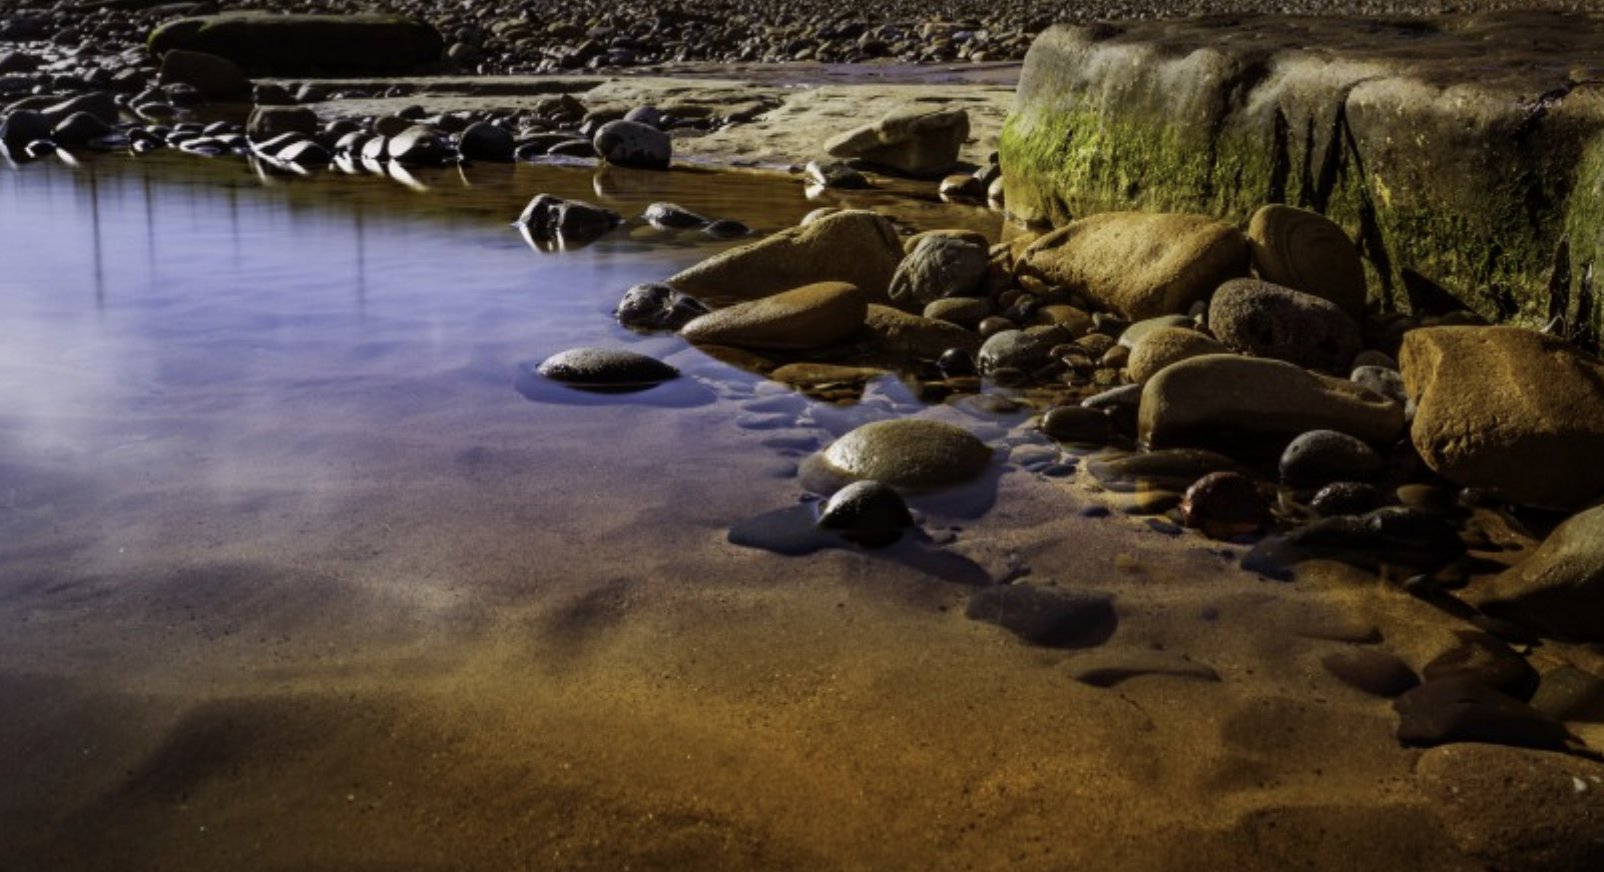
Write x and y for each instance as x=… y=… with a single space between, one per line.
x=305 y=44
x=1470 y=174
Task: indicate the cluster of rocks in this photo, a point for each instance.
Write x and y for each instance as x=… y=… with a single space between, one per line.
x=281 y=132
x=1234 y=380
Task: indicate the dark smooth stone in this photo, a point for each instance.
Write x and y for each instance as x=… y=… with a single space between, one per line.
x=656 y=306
x=1466 y=710
x=1488 y=660
x=726 y=228
x=956 y=363
x=1374 y=672
x=1078 y=424
x=1345 y=498
x=1395 y=537
x=668 y=216
x=606 y=368
x=553 y=221
x=1050 y=618
x=1224 y=505
x=1323 y=456
x=870 y=513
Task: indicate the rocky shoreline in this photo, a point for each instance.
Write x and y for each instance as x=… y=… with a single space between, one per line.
x=1236 y=384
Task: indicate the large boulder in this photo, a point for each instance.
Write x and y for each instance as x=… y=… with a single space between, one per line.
x=1267 y=320
x=1559 y=588
x=1512 y=410
x=301 y=44
x=1470 y=173
x=210 y=74
x=812 y=316
x=918 y=140
x=1140 y=264
x=856 y=247
x=1217 y=397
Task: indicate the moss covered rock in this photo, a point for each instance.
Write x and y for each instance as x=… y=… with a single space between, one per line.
x=1469 y=174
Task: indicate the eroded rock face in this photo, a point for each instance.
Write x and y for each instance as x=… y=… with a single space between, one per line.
x=857 y=247
x=1508 y=409
x=1140 y=265
x=1428 y=162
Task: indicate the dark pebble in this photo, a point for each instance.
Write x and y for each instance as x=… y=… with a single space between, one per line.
x=1487 y=660
x=1466 y=710
x=1224 y=505
x=869 y=513
x=1078 y=424
x=1322 y=456
x=606 y=368
x=1345 y=498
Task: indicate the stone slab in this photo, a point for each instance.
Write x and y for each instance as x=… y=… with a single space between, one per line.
x=1464 y=147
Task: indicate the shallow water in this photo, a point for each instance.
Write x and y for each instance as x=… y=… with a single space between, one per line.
x=294 y=575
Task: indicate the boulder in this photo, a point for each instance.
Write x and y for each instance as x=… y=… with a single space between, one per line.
x=78 y=129
x=1308 y=252
x=22 y=126
x=1267 y=320
x=812 y=316
x=1221 y=396
x=484 y=141
x=1025 y=350
x=1511 y=410
x=1166 y=345
x=271 y=44
x=1559 y=588
x=917 y=140
x=856 y=247
x=1140 y=264
x=632 y=144
x=213 y=76
x=908 y=453
x=1446 y=168
x=938 y=267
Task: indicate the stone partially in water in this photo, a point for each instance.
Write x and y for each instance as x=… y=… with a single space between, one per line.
x=553 y=221
x=487 y=142
x=1050 y=618
x=668 y=216
x=869 y=513
x=632 y=144
x=419 y=146
x=656 y=306
x=1306 y=251
x=606 y=369
x=1077 y=424
x=854 y=246
x=908 y=453
x=812 y=316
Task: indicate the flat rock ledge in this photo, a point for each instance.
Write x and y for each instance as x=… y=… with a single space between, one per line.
x=1463 y=147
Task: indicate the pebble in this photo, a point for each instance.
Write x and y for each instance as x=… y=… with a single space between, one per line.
x=606 y=368
x=1463 y=709
x=869 y=513
x=1224 y=505
x=668 y=216
x=910 y=453
x=938 y=267
x=1267 y=320
x=656 y=306
x=1078 y=424
x=1319 y=457
x=632 y=144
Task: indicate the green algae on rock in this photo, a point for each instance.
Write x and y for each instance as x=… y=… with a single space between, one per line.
x=1468 y=174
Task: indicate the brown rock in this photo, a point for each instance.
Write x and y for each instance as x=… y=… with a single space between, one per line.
x=1507 y=409
x=1140 y=264
x=1306 y=251
x=898 y=332
x=812 y=316
x=1204 y=398
x=854 y=246
x=1162 y=347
